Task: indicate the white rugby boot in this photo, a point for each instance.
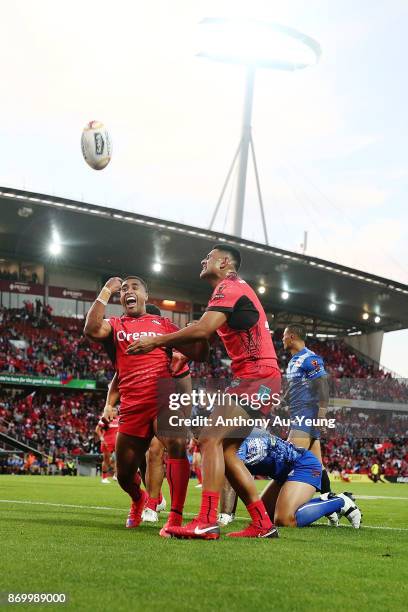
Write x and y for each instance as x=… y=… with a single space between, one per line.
x=350 y=510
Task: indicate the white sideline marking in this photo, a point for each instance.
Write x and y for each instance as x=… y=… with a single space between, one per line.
x=55 y=505
x=380 y=497
x=39 y=503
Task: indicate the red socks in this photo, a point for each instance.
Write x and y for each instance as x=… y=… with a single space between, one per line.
x=259 y=515
x=178 y=474
x=152 y=503
x=199 y=475
x=209 y=507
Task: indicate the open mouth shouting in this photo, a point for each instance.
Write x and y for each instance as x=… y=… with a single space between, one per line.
x=131 y=302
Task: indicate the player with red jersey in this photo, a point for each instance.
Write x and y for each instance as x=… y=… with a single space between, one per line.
x=107 y=431
x=235 y=313
x=139 y=377
x=152 y=469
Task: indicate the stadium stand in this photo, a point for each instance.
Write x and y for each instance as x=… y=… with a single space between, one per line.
x=60 y=424
x=34 y=342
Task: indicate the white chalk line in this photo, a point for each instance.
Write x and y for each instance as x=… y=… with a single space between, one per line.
x=108 y=508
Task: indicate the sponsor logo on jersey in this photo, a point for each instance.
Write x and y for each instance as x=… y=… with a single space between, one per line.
x=122 y=336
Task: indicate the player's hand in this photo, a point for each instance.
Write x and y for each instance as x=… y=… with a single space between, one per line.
x=142 y=346
x=178 y=361
x=114 y=284
x=108 y=413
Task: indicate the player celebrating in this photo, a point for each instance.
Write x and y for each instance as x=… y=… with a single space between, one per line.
x=152 y=468
x=139 y=376
x=236 y=314
x=107 y=431
x=296 y=474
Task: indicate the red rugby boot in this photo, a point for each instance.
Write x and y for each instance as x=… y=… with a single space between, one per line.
x=255 y=531
x=195 y=530
x=135 y=513
x=174 y=520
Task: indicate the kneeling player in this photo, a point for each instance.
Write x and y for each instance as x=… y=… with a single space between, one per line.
x=296 y=474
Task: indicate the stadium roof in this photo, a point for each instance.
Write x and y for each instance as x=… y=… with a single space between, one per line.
x=111 y=242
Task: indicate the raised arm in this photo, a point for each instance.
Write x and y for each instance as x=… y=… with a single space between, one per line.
x=96 y=326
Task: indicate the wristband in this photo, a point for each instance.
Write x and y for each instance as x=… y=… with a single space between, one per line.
x=104 y=296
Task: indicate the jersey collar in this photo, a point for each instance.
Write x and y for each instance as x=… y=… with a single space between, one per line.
x=299 y=353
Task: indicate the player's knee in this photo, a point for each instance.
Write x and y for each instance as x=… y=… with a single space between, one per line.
x=285 y=519
x=155 y=454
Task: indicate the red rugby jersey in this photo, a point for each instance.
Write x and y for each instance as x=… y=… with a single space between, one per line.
x=139 y=374
x=109 y=430
x=245 y=334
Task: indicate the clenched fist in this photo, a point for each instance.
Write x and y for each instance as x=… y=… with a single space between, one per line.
x=114 y=284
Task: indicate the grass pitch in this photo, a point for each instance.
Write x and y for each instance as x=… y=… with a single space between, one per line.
x=67 y=535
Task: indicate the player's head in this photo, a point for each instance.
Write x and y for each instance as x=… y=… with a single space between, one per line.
x=220 y=261
x=294 y=337
x=152 y=309
x=133 y=295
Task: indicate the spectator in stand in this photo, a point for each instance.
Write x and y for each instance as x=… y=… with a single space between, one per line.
x=62 y=424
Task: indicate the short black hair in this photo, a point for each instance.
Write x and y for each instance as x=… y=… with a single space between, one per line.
x=152 y=309
x=232 y=251
x=139 y=278
x=298 y=329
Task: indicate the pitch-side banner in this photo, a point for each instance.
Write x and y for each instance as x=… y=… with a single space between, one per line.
x=46 y=381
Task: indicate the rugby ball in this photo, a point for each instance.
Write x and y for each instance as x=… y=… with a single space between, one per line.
x=96 y=145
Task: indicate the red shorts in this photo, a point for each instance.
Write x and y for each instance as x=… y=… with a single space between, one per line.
x=108 y=447
x=258 y=395
x=138 y=420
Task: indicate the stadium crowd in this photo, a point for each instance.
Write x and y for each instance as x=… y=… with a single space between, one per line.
x=33 y=342
x=61 y=424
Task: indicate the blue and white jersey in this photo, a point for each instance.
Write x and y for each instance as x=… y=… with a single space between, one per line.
x=268 y=455
x=304 y=367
